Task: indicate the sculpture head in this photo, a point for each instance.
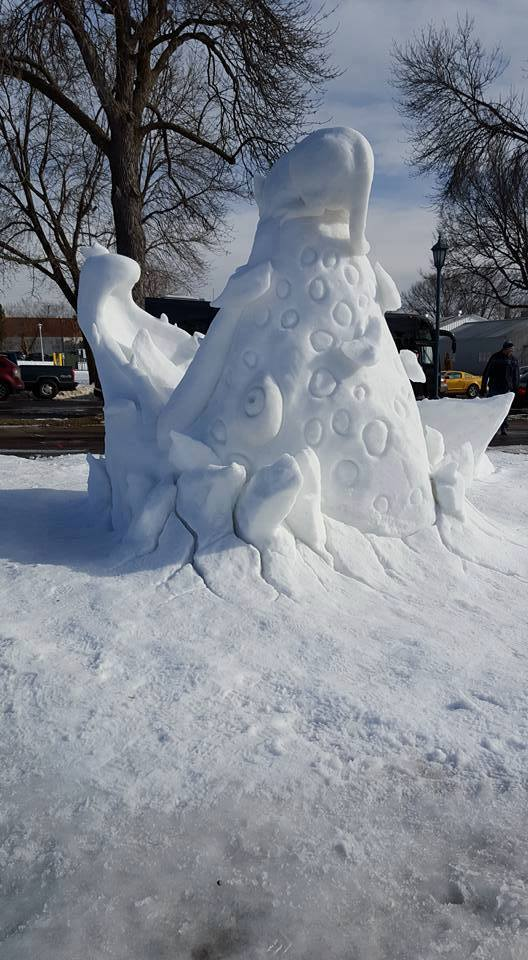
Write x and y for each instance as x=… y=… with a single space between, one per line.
x=328 y=175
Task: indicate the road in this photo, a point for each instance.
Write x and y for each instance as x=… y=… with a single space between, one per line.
x=53 y=427
x=30 y=427
x=27 y=408
x=517 y=433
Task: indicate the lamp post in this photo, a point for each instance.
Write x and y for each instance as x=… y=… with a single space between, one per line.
x=41 y=343
x=439 y=254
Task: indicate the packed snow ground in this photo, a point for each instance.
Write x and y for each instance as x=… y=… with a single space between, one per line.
x=205 y=773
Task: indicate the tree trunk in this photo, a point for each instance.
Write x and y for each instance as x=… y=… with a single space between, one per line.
x=127 y=204
x=93 y=372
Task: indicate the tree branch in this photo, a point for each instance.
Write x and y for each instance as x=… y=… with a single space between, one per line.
x=161 y=124
x=55 y=94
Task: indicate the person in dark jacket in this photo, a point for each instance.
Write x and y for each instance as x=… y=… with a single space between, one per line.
x=501 y=376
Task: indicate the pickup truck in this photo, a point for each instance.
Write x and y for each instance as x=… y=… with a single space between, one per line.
x=44 y=380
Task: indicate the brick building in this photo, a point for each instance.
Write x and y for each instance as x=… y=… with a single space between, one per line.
x=59 y=335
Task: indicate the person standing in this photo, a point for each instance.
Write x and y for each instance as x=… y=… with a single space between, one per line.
x=501 y=376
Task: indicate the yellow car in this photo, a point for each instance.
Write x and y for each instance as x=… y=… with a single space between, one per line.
x=462 y=384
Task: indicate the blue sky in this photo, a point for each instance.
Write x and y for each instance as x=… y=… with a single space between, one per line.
x=401 y=227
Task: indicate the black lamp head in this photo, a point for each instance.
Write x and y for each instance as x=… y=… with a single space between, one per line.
x=439 y=252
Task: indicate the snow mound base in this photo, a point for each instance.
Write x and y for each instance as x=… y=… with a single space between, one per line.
x=295 y=412
x=339 y=773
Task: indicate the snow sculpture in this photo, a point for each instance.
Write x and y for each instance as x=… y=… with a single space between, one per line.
x=294 y=415
x=299 y=355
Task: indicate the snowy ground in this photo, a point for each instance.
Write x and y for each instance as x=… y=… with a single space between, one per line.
x=196 y=774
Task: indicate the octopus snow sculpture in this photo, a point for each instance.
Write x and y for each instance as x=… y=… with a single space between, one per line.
x=294 y=417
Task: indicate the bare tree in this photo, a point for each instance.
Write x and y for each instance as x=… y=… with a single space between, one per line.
x=55 y=190
x=51 y=187
x=461 y=293
x=245 y=75
x=54 y=199
x=28 y=306
x=486 y=225
x=445 y=83
x=51 y=184
x=475 y=143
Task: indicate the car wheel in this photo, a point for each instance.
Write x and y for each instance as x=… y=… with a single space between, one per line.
x=472 y=391
x=4 y=391
x=47 y=390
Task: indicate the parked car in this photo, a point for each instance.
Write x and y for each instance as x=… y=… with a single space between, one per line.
x=10 y=379
x=44 y=380
x=12 y=355
x=462 y=384
x=520 y=399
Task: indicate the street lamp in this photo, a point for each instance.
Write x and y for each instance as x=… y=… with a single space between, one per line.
x=41 y=343
x=439 y=254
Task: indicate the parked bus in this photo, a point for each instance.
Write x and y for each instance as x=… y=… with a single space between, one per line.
x=411 y=331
